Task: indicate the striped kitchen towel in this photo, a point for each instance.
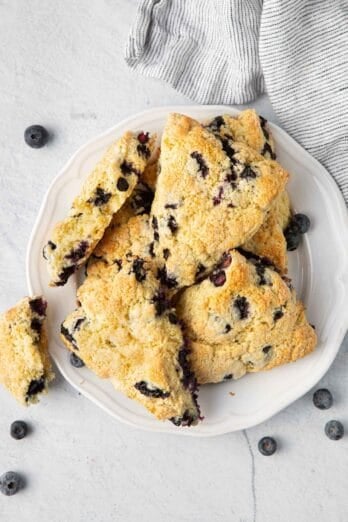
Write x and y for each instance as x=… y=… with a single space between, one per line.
x=230 y=51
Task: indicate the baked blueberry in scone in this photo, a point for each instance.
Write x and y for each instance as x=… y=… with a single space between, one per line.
x=126 y=330
x=212 y=194
x=243 y=318
x=106 y=189
x=25 y=367
x=249 y=128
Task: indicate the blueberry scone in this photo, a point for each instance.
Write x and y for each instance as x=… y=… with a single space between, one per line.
x=243 y=318
x=253 y=130
x=249 y=128
x=25 y=368
x=104 y=192
x=123 y=241
x=212 y=194
x=126 y=330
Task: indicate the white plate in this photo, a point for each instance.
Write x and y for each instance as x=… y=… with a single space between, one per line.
x=319 y=269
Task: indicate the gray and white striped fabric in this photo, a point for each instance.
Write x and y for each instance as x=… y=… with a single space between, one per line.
x=227 y=51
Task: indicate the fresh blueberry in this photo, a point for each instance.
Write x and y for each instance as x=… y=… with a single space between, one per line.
x=293 y=238
x=302 y=222
x=19 y=430
x=322 y=399
x=75 y=361
x=267 y=446
x=10 y=483
x=36 y=136
x=334 y=430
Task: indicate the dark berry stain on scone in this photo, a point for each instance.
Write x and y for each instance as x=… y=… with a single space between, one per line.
x=203 y=168
x=166 y=253
x=229 y=151
x=36 y=325
x=78 y=253
x=172 y=224
x=143 y=150
x=248 y=173
x=263 y=123
x=100 y=198
x=172 y=318
x=218 y=277
x=36 y=386
x=216 y=123
x=128 y=168
x=139 y=270
x=151 y=391
x=188 y=379
x=200 y=272
x=68 y=336
x=171 y=205
x=267 y=151
x=267 y=349
x=217 y=199
x=122 y=184
x=227 y=328
x=151 y=249
x=242 y=305
x=167 y=280
x=278 y=314
x=65 y=274
x=228 y=377
x=160 y=302
x=142 y=199
x=38 y=306
x=226 y=260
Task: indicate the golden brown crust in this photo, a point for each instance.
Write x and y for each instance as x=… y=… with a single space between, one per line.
x=25 y=366
x=220 y=192
x=249 y=323
x=126 y=331
x=106 y=189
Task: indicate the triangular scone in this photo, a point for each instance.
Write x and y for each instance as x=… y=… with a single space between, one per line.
x=243 y=318
x=126 y=330
x=25 y=367
x=249 y=128
x=211 y=195
x=106 y=189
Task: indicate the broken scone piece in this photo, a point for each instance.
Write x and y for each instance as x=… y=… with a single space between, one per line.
x=104 y=192
x=243 y=318
x=127 y=331
x=25 y=367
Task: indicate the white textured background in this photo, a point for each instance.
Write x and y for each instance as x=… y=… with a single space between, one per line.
x=61 y=65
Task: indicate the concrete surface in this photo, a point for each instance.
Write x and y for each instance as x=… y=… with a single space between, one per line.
x=61 y=65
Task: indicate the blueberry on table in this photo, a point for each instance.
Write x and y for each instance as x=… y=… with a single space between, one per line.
x=302 y=222
x=267 y=446
x=75 y=361
x=36 y=136
x=10 y=483
x=334 y=430
x=322 y=399
x=19 y=430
